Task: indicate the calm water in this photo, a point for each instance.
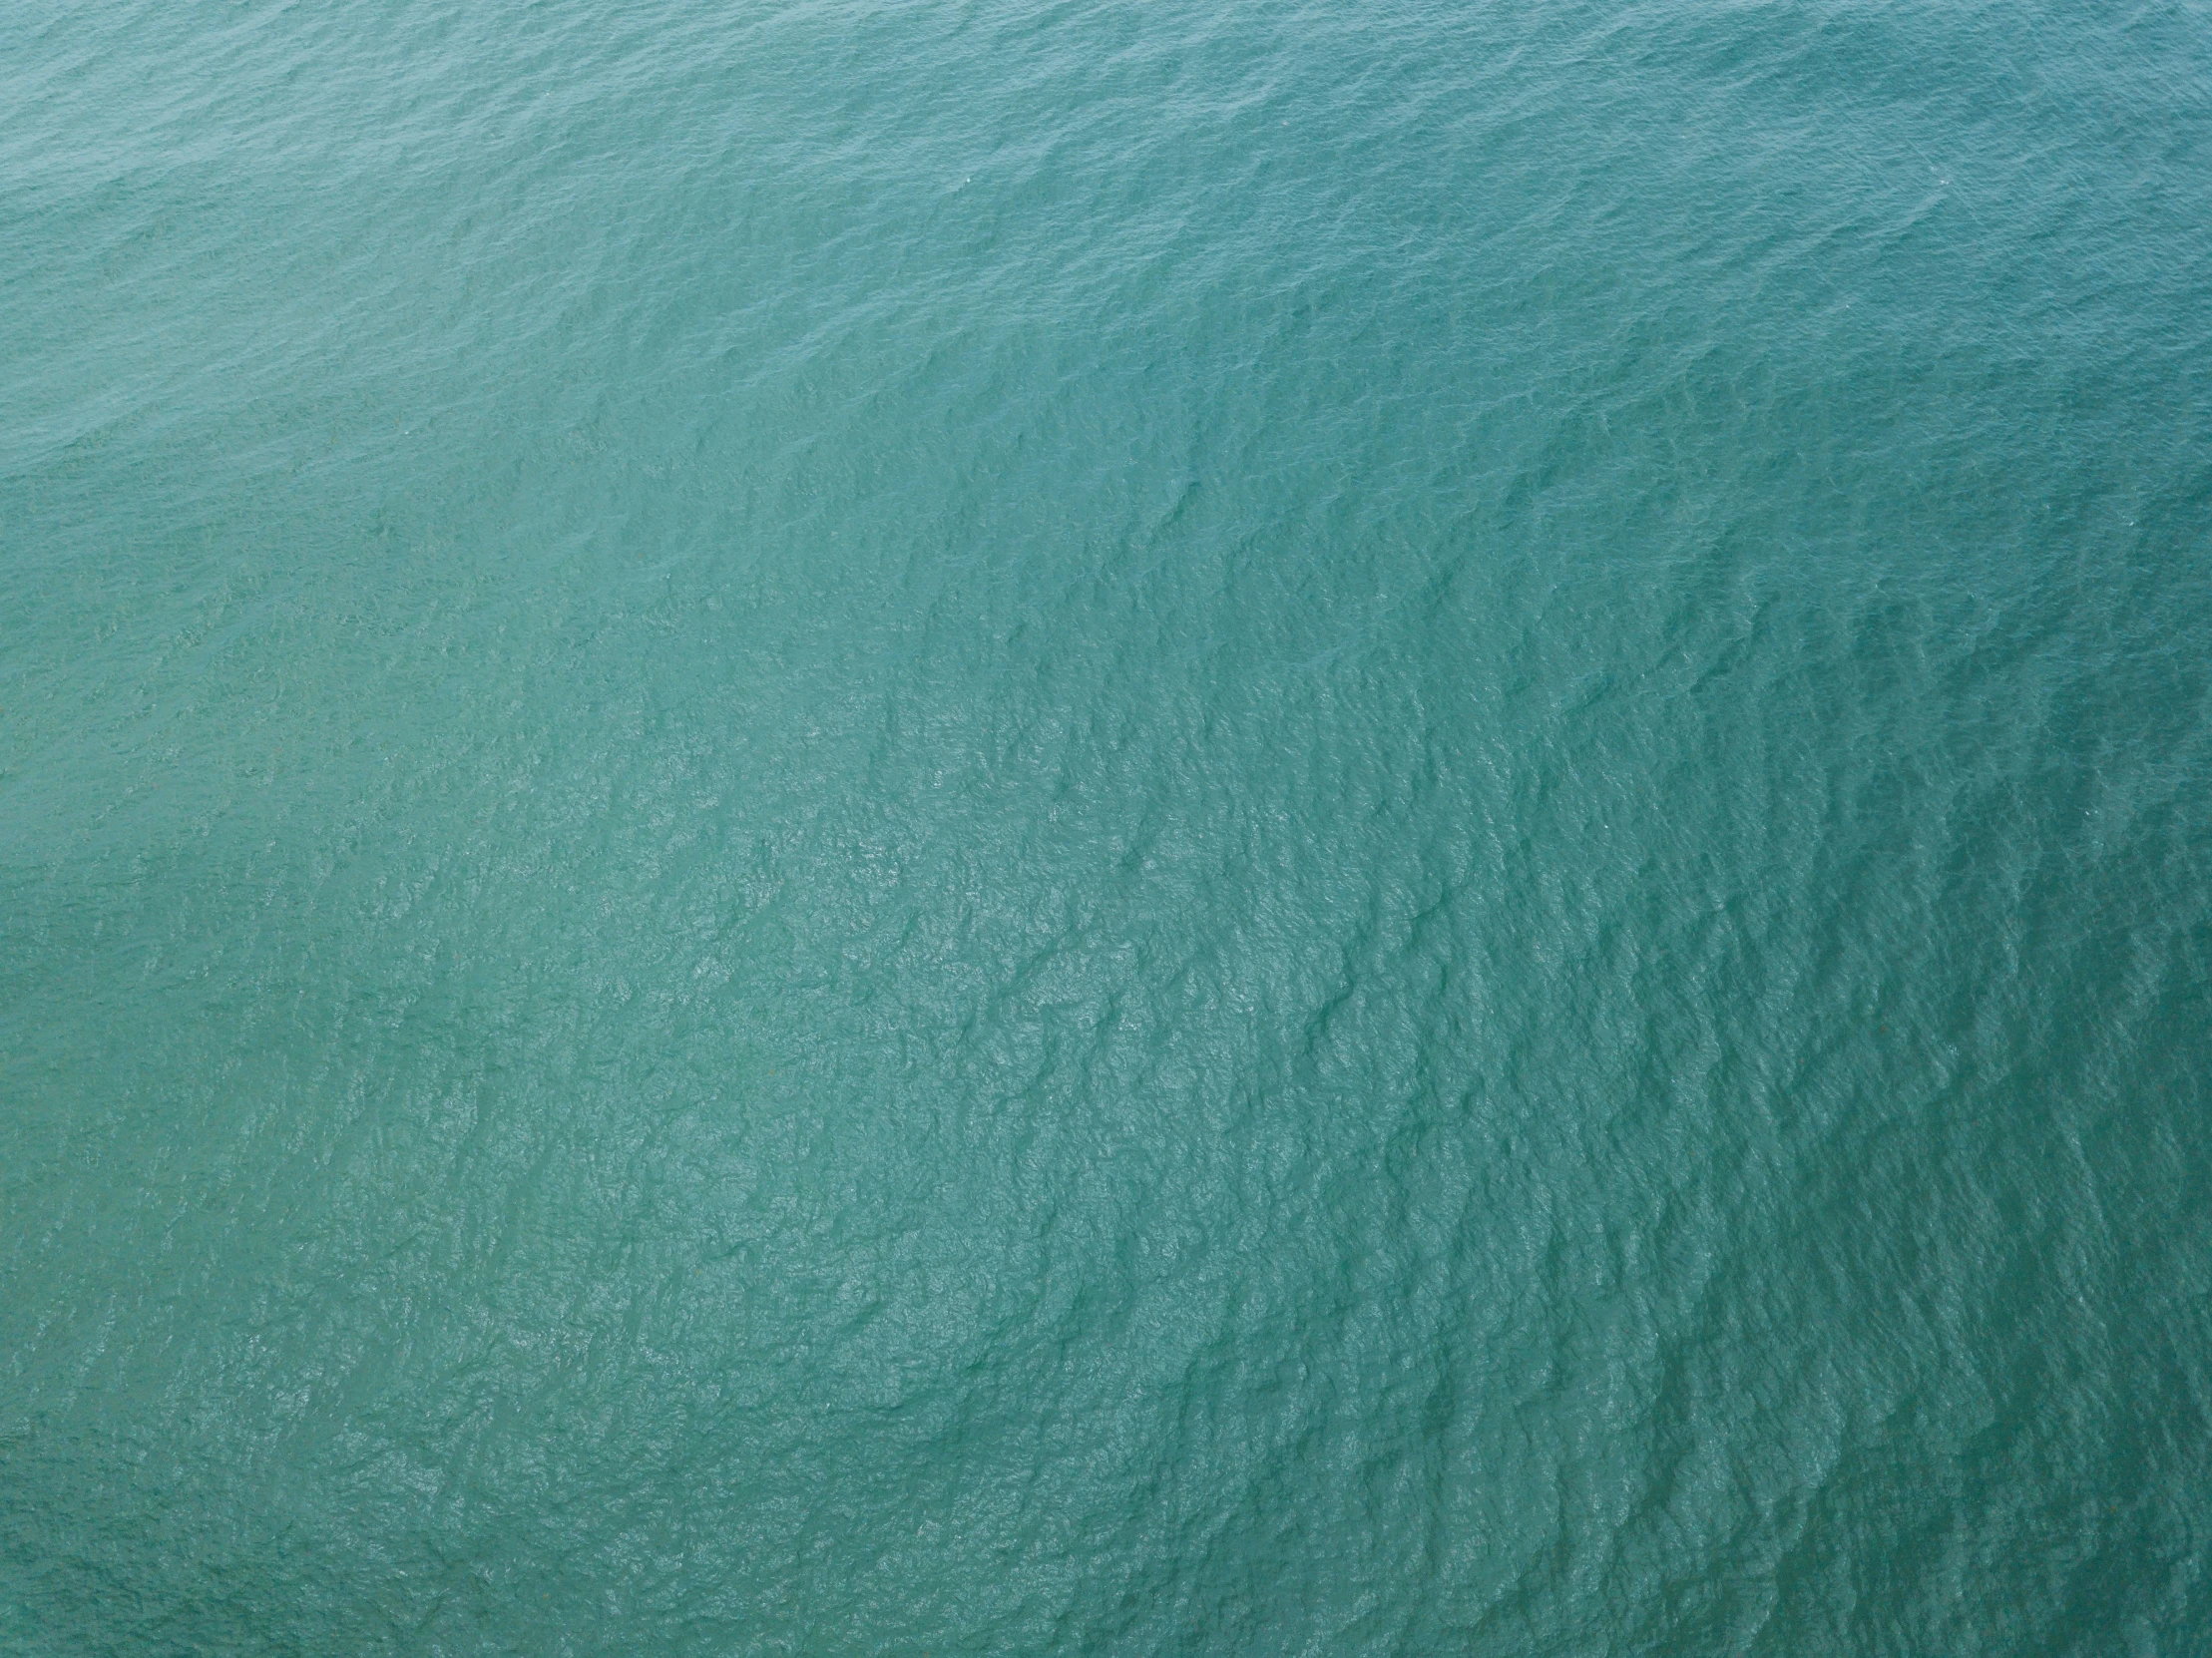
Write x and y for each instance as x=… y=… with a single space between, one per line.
x=1040 y=826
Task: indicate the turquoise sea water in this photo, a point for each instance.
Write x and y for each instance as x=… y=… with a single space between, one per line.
x=1040 y=826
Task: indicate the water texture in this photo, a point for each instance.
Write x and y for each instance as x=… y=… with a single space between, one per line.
x=1043 y=826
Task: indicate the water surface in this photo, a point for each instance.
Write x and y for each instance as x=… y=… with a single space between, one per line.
x=1007 y=828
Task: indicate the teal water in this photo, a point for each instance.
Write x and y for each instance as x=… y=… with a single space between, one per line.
x=1059 y=827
